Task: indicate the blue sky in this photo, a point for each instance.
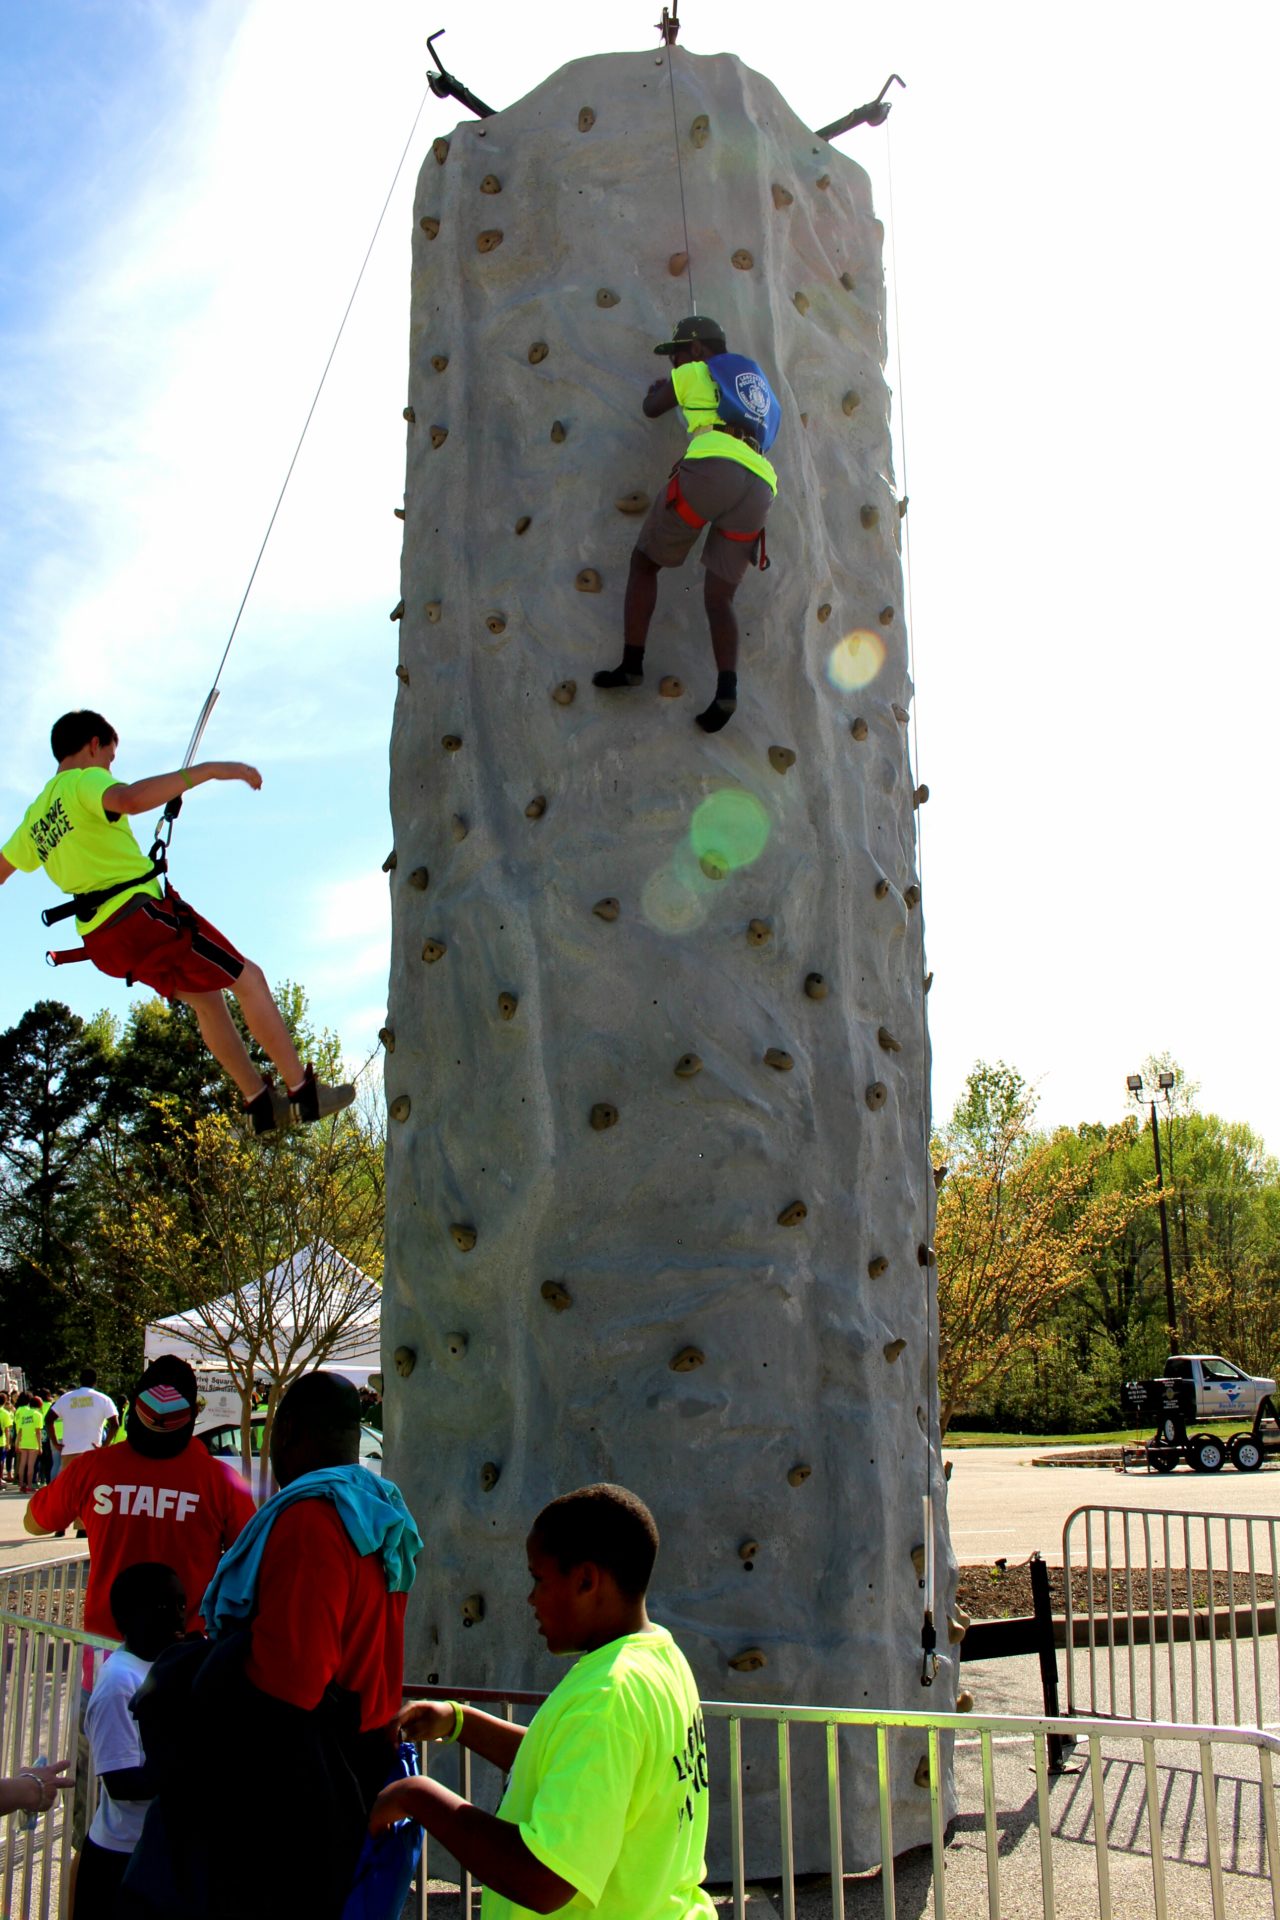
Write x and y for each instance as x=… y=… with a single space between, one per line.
x=1084 y=231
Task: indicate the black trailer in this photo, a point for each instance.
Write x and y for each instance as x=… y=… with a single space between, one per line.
x=1171 y=1405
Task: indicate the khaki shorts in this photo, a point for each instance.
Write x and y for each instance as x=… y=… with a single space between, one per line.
x=725 y=493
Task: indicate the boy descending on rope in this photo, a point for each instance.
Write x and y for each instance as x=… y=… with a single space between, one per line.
x=78 y=830
x=723 y=481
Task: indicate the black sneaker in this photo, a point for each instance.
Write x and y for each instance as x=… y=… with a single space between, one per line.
x=316 y=1100
x=269 y=1109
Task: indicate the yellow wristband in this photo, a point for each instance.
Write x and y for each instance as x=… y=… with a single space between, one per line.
x=187 y=781
x=458 y=1717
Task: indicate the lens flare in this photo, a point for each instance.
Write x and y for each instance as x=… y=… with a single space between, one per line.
x=730 y=829
x=675 y=898
x=856 y=660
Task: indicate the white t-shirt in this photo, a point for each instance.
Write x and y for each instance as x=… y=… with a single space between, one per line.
x=83 y=1413
x=114 y=1742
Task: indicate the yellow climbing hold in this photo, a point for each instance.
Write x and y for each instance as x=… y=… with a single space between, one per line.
x=687 y=1066
x=559 y=431
x=859 y=729
x=750 y=1660
x=507 y=1004
x=464 y=1236
x=452 y=743
x=781 y=758
x=893 y=1349
x=743 y=260
x=433 y=950
x=603 y=1116
x=877 y=1266
x=851 y=402
x=586 y=119
x=489 y=239
x=556 y=1295
x=887 y=1041
x=536 y=807
x=781 y=1062
x=759 y=933
x=677 y=264
x=700 y=131
x=439 y=435
x=687 y=1359
x=606 y=297
x=815 y=986
x=801 y=302
x=496 y=623
x=524 y=523
x=607 y=909
x=669 y=687
x=588 y=580
x=781 y=198
x=420 y=879
x=491 y=184
x=400 y=1107
x=876 y=1095
x=440 y=148
x=430 y=225
x=439 y=361
x=565 y=693
x=799 y=1474
x=792 y=1216
x=538 y=353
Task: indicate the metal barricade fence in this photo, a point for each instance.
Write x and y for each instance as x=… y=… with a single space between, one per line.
x=1172 y=1615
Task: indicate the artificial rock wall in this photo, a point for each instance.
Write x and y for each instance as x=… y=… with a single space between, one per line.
x=657 y=1064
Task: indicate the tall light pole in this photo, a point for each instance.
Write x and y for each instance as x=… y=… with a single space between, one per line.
x=1165 y=1082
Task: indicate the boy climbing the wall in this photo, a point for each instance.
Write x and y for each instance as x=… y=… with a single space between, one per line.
x=723 y=481
x=78 y=830
x=606 y=1806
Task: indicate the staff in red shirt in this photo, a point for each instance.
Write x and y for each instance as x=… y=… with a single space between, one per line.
x=156 y=1496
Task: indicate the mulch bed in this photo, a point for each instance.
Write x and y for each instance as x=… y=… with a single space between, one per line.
x=988 y=1593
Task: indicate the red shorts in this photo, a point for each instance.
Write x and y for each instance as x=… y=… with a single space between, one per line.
x=165 y=945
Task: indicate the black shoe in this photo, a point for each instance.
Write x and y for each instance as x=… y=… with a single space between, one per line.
x=315 y=1100
x=269 y=1109
x=616 y=677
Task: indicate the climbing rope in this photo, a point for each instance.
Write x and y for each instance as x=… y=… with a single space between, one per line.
x=928 y=1633
x=212 y=695
x=669 y=27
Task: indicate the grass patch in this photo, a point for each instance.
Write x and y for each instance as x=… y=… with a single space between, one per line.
x=1125 y=1437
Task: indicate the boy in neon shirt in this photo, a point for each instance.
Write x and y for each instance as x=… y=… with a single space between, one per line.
x=723 y=479
x=606 y=1807
x=78 y=830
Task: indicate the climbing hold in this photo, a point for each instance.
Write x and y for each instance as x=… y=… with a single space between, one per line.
x=946 y=1469
x=398 y=512
x=749 y=1661
x=877 y=1266
x=388 y=1038
x=815 y=986
x=801 y=302
x=632 y=503
x=555 y=1295
x=964 y=1701
x=804 y=419
x=459 y=827
x=687 y=1065
x=563 y=695
x=489 y=239
x=491 y=184
x=606 y=297
x=496 y=623
x=925 y=1256
x=677 y=264
x=958 y=1624
x=714 y=865
x=799 y=1474
x=536 y=807
x=859 y=729
x=439 y=435
x=538 y=353
x=939 y=1175
x=759 y=933
x=559 y=431
x=887 y=1041
x=743 y=260
x=397 y=612
x=524 y=523
x=920 y=795
x=917 y=1561
x=434 y=950
x=603 y=1116
x=586 y=119
x=900 y=714
x=389 y=864
x=420 y=878
x=902 y=507
x=792 y=1216
x=700 y=131
x=490 y=1474
x=607 y=909
x=911 y=895
x=430 y=225
x=823 y=180
x=928 y=981
x=687 y=1359
x=869 y=516
x=893 y=1349
x=472 y=1609
x=400 y=1107
x=455 y=1345
x=433 y=611
x=781 y=1062
x=588 y=580
x=921 y=1775
x=851 y=402
x=402 y=673
x=780 y=758
x=882 y=887
x=781 y=198
x=670 y=688
x=440 y=148
x=405 y=1361
x=886 y=616
x=507 y=1004
x=824 y=613
x=439 y=361
x=846 y=281
x=410 y=415
x=452 y=743
x=876 y=1095
x=747 y=1554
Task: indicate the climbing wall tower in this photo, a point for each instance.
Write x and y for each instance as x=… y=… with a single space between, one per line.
x=659 y=1198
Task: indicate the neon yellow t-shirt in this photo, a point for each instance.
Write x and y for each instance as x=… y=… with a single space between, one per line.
x=609 y=1788
x=28 y=1422
x=698 y=397
x=6 y=1422
x=67 y=833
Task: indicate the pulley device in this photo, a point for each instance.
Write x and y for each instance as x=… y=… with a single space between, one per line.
x=446 y=87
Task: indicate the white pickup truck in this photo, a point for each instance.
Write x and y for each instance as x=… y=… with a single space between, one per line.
x=1223 y=1391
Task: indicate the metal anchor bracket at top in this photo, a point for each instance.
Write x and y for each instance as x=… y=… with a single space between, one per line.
x=446 y=87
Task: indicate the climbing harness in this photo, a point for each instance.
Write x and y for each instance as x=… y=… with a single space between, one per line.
x=697 y=520
x=84 y=905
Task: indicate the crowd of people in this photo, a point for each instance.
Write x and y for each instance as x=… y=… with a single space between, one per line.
x=39 y=1430
x=279 y=1631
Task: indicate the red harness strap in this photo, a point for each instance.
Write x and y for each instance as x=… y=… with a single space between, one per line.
x=691 y=519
